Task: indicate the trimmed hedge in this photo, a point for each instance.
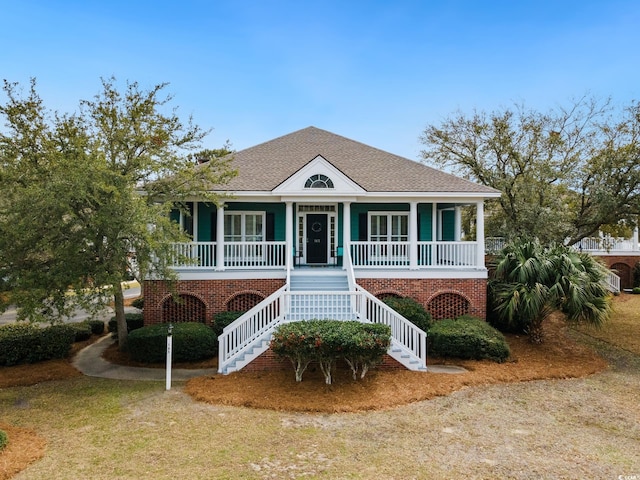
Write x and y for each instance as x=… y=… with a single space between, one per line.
x=82 y=331
x=411 y=310
x=467 y=338
x=4 y=439
x=27 y=343
x=191 y=341
x=361 y=345
x=134 y=322
x=97 y=326
x=138 y=303
x=222 y=319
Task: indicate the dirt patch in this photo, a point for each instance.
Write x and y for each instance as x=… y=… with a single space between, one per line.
x=559 y=357
x=24 y=447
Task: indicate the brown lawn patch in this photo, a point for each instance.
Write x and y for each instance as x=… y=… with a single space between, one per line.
x=24 y=447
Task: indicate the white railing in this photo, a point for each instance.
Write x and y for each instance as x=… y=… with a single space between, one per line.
x=194 y=255
x=241 y=334
x=613 y=282
x=348 y=266
x=402 y=330
x=254 y=254
x=320 y=305
x=493 y=245
x=590 y=244
x=380 y=254
x=447 y=254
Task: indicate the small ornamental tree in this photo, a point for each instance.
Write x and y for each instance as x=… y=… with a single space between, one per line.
x=325 y=341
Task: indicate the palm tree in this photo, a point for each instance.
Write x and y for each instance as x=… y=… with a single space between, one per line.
x=532 y=281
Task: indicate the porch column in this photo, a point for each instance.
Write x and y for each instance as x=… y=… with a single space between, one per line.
x=434 y=222
x=346 y=230
x=458 y=223
x=220 y=238
x=480 y=232
x=635 y=239
x=288 y=233
x=413 y=235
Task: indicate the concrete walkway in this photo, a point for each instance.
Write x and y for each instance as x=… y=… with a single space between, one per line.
x=90 y=362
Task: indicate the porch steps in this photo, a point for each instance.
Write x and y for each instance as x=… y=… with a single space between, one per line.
x=258 y=347
x=307 y=306
x=405 y=357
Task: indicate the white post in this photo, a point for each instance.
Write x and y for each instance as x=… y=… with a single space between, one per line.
x=288 y=233
x=480 y=232
x=220 y=239
x=346 y=229
x=413 y=235
x=635 y=239
x=169 y=355
x=458 y=223
x=434 y=222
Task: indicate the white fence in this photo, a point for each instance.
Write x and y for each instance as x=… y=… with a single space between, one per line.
x=429 y=254
x=202 y=255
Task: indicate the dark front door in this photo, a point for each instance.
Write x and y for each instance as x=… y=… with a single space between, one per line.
x=317 y=238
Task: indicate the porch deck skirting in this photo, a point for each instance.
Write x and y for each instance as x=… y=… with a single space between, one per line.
x=443 y=297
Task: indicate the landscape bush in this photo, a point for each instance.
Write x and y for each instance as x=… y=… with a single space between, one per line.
x=4 y=439
x=82 y=331
x=138 y=303
x=636 y=290
x=134 y=322
x=191 y=341
x=325 y=341
x=467 y=338
x=97 y=326
x=222 y=319
x=411 y=310
x=26 y=343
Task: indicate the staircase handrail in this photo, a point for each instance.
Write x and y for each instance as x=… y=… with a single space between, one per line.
x=246 y=329
x=405 y=333
x=348 y=266
x=613 y=282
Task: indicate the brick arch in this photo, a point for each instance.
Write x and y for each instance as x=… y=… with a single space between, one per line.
x=449 y=304
x=625 y=272
x=383 y=294
x=189 y=307
x=243 y=301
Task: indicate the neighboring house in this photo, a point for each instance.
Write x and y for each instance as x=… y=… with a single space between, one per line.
x=321 y=226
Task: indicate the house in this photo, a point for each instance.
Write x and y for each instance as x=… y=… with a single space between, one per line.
x=321 y=226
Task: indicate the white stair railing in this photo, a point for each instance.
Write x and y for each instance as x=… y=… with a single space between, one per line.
x=239 y=336
x=403 y=331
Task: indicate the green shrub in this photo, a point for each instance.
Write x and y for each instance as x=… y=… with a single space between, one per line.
x=222 y=319
x=134 y=322
x=4 y=439
x=138 y=303
x=97 y=326
x=636 y=290
x=26 y=343
x=325 y=341
x=82 y=331
x=467 y=338
x=191 y=341
x=411 y=310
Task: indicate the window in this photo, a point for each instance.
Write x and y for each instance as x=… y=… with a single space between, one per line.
x=318 y=181
x=385 y=227
x=244 y=226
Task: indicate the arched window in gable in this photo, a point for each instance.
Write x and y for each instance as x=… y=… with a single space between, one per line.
x=318 y=181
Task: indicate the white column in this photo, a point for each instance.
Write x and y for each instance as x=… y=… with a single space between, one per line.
x=458 y=224
x=480 y=232
x=434 y=221
x=346 y=230
x=413 y=235
x=194 y=220
x=288 y=233
x=635 y=239
x=220 y=239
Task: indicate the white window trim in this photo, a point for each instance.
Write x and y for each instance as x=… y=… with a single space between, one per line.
x=243 y=214
x=389 y=214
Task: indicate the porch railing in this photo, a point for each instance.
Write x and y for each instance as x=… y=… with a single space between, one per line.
x=590 y=244
x=202 y=255
x=430 y=254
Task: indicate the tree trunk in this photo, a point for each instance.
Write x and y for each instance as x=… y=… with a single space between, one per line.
x=536 y=334
x=118 y=305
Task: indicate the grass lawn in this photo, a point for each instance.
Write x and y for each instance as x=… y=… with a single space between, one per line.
x=583 y=427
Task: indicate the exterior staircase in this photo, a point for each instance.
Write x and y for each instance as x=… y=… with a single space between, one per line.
x=317 y=294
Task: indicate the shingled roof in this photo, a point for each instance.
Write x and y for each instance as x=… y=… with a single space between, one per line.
x=265 y=166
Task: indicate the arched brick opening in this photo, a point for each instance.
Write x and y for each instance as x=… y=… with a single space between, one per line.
x=448 y=305
x=187 y=308
x=382 y=296
x=625 y=272
x=241 y=302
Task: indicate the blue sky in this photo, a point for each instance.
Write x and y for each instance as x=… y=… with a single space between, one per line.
x=375 y=71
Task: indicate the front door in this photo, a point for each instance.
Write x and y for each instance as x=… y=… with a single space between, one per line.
x=317 y=238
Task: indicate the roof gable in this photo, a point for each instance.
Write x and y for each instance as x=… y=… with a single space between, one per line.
x=295 y=184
